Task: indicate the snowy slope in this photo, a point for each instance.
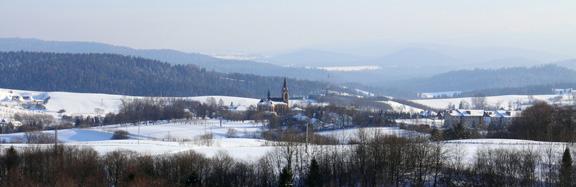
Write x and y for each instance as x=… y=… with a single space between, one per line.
x=245 y=149
x=74 y=103
x=345 y=135
x=182 y=138
x=253 y=149
x=189 y=130
x=83 y=103
x=501 y=101
x=242 y=101
x=89 y=103
x=470 y=147
x=399 y=107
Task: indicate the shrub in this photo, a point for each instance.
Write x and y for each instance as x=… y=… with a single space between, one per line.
x=120 y=135
x=231 y=133
x=206 y=139
x=36 y=137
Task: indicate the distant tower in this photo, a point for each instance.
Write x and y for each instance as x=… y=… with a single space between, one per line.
x=285 y=95
x=268 y=95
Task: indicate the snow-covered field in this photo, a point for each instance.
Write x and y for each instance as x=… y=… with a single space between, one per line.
x=500 y=101
x=244 y=147
x=165 y=138
x=190 y=130
x=73 y=103
x=399 y=107
x=241 y=101
x=470 y=147
x=423 y=121
x=94 y=103
x=345 y=135
x=239 y=139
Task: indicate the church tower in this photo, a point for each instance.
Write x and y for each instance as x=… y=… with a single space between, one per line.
x=285 y=95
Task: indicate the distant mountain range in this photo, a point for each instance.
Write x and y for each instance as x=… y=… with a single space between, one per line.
x=124 y=75
x=407 y=63
x=166 y=55
x=528 y=80
x=401 y=73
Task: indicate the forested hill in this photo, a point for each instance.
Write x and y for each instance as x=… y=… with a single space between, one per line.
x=117 y=74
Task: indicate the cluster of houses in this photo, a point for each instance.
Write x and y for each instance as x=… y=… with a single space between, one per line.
x=564 y=91
x=27 y=101
x=478 y=118
x=488 y=118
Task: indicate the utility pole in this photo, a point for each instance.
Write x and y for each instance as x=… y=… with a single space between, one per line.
x=56 y=137
x=138 y=133
x=307 y=133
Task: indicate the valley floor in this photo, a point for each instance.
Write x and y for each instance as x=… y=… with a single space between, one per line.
x=244 y=144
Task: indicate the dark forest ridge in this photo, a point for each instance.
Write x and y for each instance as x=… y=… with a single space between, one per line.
x=117 y=74
x=165 y=55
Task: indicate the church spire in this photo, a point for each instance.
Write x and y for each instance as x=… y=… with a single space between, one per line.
x=268 y=94
x=285 y=96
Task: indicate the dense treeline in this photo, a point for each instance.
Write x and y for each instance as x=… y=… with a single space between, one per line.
x=540 y=122
x=156 y=109
x=545 y=122
x=377 y=161
x=116 y=74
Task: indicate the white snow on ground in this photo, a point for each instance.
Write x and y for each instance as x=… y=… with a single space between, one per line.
x=399 y=107
x=345 y=135
x=245 y=149
x=183 y=137
x=74 y=103
x=189 y=130
x=64 y=135
x=90 y=103
x=502 y=101
x=242 y=101
x=83 y=103
x=365 y=93
x=423 y=121
x=469 y=147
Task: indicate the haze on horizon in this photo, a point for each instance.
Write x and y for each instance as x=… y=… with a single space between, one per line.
x=263 y=26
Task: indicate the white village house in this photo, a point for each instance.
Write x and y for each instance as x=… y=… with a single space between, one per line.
x=479 y=118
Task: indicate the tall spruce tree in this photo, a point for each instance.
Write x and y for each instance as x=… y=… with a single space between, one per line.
x=566 y=169
x=285 y=177
x=314 y=178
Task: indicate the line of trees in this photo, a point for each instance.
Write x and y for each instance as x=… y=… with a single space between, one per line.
x=154 y=109
x=544 y=122
x=540 y=122
x=378 y=161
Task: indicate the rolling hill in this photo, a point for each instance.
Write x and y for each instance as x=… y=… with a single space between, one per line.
x=117 y=74
x=527 y=80
x=165 y=55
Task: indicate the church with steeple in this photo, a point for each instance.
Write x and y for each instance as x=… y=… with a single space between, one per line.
x=276 y=104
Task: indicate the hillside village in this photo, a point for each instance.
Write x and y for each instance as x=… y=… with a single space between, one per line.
x=14 y=101
x=249 y=129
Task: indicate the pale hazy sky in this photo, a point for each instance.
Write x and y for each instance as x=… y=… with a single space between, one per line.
x=261 y=26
